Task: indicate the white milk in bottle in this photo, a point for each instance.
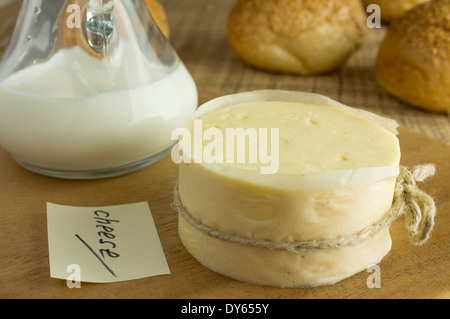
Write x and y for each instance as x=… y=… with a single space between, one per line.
x=77 y=113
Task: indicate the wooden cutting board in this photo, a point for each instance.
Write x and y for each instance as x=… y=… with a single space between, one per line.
x=406 y=272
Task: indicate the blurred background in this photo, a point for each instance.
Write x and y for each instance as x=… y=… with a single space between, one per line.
x=198 y=32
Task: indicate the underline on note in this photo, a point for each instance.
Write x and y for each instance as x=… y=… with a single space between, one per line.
x=96 y=255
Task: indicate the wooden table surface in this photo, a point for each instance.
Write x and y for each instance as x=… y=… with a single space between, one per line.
x=406 y=272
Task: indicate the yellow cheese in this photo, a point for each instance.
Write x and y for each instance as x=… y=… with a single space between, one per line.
x=311 y=138
x=335 y=175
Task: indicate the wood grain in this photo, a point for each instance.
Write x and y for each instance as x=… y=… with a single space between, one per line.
x=198 y=35
x=406 y=272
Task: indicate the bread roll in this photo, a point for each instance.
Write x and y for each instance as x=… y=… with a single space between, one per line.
x=413 y=62
x=296 y=36
x=392 y=9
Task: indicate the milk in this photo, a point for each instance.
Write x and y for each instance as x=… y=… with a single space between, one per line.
x=78 y=113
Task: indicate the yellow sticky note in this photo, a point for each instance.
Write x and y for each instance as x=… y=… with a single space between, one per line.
x=104 y=244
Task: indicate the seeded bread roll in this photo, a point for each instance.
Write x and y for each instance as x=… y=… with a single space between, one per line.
x=392 y=9
x=296 y=36
x=413 y=62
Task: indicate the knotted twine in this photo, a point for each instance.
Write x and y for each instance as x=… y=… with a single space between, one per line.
x=406 y=200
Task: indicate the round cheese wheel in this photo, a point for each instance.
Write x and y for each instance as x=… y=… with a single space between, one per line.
x=323 y=172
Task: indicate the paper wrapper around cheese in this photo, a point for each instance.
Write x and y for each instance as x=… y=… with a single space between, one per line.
x=235 y=206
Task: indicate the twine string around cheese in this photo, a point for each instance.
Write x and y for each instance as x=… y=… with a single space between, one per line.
x=419 y=223
x=408 y=199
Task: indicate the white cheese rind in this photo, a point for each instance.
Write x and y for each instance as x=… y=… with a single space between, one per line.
x=250 y=210
x=279 y=268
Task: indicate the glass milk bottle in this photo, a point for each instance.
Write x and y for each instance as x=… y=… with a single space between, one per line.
x=90 y=89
